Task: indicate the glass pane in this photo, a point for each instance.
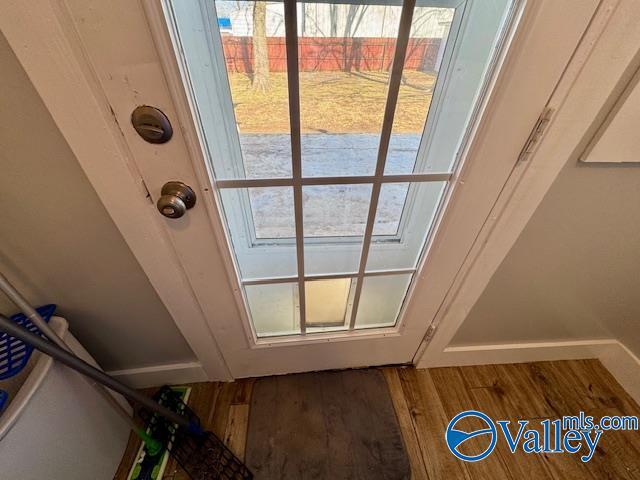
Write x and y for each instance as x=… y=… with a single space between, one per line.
x=459 y=69
x=429 y=34
x=413 y=208
x=391 y=204
x=237 y=75
x=381 y=299
x=272 y=212
x=326 y=301
x=235 y=54
x=345 y=53
x=274 y=308
x=335 y=217
x=253 y=42
x=261 y=224
x=335 y=210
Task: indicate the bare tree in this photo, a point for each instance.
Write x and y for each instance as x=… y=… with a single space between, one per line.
x=333 y=18
x=354 y=18
x=260 y=79
x=355 y=14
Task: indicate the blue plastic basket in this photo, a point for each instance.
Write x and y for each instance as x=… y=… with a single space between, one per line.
x=14 y=353
x=4 y=396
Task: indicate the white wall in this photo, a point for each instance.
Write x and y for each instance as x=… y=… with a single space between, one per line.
x=58 y=244
x=574 y=272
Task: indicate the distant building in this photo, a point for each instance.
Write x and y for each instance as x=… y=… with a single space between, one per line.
x=328 y=20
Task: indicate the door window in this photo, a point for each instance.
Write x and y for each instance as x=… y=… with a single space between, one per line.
x=333 y=130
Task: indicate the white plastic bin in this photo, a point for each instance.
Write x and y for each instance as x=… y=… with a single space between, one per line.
x=57 y=427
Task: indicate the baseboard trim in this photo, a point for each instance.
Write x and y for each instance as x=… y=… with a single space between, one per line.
x=166 y=374
x=624 y=366
x=520 y=352
x=615 y=356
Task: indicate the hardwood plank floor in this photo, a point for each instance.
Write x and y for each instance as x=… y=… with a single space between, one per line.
x=425 y=401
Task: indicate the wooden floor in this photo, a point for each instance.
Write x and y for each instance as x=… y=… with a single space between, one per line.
x=425 y=401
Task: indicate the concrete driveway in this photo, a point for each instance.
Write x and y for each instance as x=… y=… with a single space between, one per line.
x=329 y=210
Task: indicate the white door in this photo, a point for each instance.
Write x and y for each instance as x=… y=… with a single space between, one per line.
x=344 y=154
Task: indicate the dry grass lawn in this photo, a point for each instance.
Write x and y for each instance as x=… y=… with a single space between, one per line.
x=332 y=102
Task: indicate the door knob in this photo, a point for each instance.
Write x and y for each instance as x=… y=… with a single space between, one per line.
x=176 y=198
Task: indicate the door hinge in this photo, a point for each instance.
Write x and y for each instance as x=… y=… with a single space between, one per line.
x=536 y=134
x=431 y=331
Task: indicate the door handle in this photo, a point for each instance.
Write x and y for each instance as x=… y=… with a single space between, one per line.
x=176 y=198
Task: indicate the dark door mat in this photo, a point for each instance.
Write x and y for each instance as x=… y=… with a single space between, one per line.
x=325 y=425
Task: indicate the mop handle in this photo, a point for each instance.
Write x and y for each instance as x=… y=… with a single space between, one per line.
x=84 y=368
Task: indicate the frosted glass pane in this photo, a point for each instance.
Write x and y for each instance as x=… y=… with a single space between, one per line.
x=326 y=301
x=274 y=308
x=381 y=299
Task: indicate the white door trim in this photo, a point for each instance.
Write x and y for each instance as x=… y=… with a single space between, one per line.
x=600 y=68
x=44 y=39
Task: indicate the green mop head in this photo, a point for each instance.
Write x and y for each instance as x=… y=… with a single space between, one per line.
x=152 y=457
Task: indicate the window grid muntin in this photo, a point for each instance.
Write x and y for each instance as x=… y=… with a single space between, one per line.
x=489 y=74
x=325 y=276
x=393 y=89
x=376 y=180
x=293 y=87
x=410 y=178
x=297 y=181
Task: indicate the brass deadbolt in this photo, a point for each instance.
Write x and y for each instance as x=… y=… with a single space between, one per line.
x=151 y=124
x=176 y=198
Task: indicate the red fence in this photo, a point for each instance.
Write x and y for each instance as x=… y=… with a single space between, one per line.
x=332 y=54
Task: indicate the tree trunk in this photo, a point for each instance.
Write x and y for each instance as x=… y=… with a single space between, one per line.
x=260 y=79
x=333 y=16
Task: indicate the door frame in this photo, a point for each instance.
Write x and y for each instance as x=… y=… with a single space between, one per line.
x=79 y=95
x=600 y=70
